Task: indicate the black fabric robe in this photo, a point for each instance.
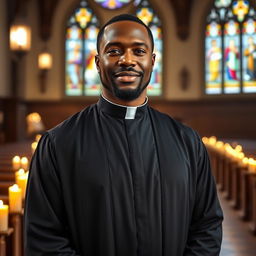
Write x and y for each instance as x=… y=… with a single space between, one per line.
x=103 y=185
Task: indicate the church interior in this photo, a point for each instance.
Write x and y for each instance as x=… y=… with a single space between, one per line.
x=204 y=77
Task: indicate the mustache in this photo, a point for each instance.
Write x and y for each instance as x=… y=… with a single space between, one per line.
x=128 y=69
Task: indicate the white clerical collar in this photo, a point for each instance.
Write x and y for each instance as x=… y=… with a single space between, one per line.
x=130 y=111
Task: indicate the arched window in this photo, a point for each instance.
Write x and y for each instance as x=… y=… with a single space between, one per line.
x=81 y=34
x=230 y=48
x=146 y=13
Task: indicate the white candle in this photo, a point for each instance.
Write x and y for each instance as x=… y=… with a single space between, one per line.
x=22 y=183
x=15 y=198
x=18 y=173
x=24 y=163
x=16 y=163
x=3 y=216
x=33 y=146
x=38 y=137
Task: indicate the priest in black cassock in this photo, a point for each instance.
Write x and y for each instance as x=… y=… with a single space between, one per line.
x=120 y=178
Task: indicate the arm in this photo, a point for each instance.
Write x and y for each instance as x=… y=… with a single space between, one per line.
x=45 y=230
x=205 y=233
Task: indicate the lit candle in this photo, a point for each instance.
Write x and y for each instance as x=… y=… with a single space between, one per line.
x=24 y=163
x=18 y=173
x=33 y=147
x=16 y=163
x=38 y=137
x=15 y=198
x=22 y=183
x=3 y=216
x=252 y=164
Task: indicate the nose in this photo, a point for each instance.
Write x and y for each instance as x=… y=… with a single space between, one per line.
x=126 y=59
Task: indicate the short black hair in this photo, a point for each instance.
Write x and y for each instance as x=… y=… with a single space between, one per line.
x=123 y=17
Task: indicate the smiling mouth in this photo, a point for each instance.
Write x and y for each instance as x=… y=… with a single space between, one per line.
x=127 y=77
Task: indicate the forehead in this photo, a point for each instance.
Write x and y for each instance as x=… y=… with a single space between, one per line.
x=125 y=31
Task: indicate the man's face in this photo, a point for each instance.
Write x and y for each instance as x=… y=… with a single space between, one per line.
x=125 y=60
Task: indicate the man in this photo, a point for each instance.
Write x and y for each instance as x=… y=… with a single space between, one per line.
x=120 y=178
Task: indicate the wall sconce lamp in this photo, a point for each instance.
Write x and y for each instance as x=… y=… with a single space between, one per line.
x=44 y=65
x=20 y=38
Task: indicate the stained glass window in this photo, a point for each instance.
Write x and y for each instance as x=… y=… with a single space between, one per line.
x=230 y=48
x=148 y=16
x=81 y=34
x=112 y=4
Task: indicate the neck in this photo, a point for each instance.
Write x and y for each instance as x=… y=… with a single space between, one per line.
x=131 y=103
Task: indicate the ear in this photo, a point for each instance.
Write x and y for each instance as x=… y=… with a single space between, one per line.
x=153 y=59
x=97 y=62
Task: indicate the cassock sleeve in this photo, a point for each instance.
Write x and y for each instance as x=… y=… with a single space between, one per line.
x=45 y=231
x=205 y=233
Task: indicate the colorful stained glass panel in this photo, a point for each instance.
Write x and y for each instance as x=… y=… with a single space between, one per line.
x=146 y=14
x=91 y=77
x=74 y=61
x=154 y=87
x=249 y=56
x=213 y=58
x=112 y=4
x=232 y=58
x=81 y=36
x=240 y=9
x=222 y=3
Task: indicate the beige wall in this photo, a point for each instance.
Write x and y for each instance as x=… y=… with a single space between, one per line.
x=4 y=53
x=177 y=53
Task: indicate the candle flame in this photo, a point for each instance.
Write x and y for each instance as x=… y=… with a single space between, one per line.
x=16 y=159
x=15 y=188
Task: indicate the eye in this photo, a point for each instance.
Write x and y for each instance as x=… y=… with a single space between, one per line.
x=113 y=51
x=140 y=51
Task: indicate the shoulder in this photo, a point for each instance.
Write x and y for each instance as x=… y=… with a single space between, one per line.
x=71 y=125
x=173 y=132
x=170 y=124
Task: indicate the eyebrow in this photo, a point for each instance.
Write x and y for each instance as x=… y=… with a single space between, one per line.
x=120 y=44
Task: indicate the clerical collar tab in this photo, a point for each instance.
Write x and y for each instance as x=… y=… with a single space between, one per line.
x=130 y=112
x=121 y=111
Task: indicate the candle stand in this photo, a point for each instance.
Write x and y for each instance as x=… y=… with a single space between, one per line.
x=3 y=236
x=16 y=223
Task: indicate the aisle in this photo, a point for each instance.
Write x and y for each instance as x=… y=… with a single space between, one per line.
x=237 y=239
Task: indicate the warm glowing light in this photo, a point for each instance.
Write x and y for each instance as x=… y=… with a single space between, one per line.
x=238 y=148
x=20 y=37
x=205 y=140
x=24 y=163
x=14 y=188
x=16 y=162
x=212 y=140
x=34 y=117
x=34 y=146
x=45 y=61
x=38 y=137
x=18 y=173
x=15 y=198
x=3 y=216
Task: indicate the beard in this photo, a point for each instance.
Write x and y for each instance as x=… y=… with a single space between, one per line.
x=127 y=94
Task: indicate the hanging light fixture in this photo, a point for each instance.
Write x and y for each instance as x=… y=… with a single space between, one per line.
x=44 y=65
x=20 y=37
x=44 y=60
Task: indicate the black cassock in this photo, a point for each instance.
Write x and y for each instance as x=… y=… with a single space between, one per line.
x=102 y=184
